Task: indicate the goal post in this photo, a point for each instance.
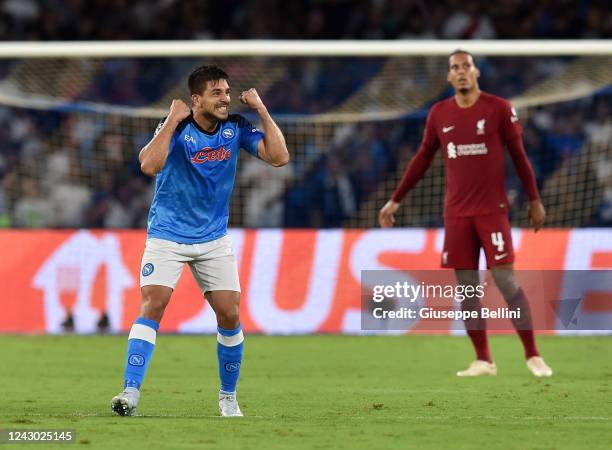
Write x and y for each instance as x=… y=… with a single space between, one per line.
x=352 y=113
x=300 y=48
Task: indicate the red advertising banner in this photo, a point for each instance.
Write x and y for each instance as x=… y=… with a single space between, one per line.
x=293 y=281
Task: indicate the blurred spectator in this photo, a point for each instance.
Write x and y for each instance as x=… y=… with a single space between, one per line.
x=335 y=199
x=123 y=208
x=604 y=177
x=119 y=213
x=5 y=220
x=32 y=210
x=599 y=130
x=599 y=133
x=100 y=199
x=264 y=187
x=57 y=168
x=297 y=211
x=566 y=136
x=69 y=199
x=324 y=19
x=468 y=21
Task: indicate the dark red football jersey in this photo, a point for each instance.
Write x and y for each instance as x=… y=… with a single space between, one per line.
x=473 y=141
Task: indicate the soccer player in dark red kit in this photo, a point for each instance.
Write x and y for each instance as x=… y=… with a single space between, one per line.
x=473 y=128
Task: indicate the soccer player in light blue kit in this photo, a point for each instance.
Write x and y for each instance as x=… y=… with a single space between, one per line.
x=193 y=155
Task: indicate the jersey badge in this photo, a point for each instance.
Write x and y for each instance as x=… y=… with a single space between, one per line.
x=480 y=127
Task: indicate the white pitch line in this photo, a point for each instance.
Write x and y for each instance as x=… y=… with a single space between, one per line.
x=369 y=417
x=110 y=415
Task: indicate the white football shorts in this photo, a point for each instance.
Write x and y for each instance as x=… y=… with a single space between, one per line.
x=213 y=264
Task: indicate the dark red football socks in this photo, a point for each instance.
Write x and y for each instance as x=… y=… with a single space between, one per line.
x=523 y=326
x=477 y=330
x=481 y=344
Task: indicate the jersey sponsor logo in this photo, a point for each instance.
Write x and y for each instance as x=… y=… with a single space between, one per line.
x=232 y=366
x=209 y=154
x=466 y=150
x=502 y=256
x=447 y=129
x=147 y=269
x=480 y=126
x=190 y=139
x=228 y=133
x=472 y=149
x=136 y=360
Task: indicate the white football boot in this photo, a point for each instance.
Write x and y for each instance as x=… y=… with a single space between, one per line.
x=125 y=403
x=478 y=368
x=538 y=367
x=228 y=405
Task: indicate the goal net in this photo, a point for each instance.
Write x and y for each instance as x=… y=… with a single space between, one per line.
x=72 y=127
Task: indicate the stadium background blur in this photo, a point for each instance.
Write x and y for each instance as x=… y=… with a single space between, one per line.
x=72 y=162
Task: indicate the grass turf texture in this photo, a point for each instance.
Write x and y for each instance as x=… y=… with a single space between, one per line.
x=313 y=392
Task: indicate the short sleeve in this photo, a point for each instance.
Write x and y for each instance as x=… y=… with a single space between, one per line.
x=509 y=125
x=159 y=127
x=249 y=136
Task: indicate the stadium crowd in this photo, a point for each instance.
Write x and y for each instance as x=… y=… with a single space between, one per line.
x=87 y=174
x=340 y=181
x=91 y=181
x=38 y=20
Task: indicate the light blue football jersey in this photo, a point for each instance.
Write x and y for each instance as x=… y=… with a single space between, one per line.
x=193 y=190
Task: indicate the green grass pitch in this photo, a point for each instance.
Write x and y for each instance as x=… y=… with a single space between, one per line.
x=316 y=392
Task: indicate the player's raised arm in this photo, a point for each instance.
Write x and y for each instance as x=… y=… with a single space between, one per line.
x=153 y=156
x=272 y=148
x=416 y=169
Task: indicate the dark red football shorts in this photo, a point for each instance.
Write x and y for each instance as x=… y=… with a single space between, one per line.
x=464 y=236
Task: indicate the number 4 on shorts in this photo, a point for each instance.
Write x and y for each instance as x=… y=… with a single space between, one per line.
x=498 y=240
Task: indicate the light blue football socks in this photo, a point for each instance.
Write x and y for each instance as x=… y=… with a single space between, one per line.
x=141 y=344
x=230 y=345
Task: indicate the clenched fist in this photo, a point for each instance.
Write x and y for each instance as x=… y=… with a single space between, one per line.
x=179 y=111
x=251 y=99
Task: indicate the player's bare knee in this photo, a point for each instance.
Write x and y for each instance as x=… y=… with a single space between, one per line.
x=505 y=280
x=467 y=277
x=154 y=302
x=229 y=317
x=152 y=308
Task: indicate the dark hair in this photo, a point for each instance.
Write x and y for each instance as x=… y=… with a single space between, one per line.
x=200 y=75
x=460 y=51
